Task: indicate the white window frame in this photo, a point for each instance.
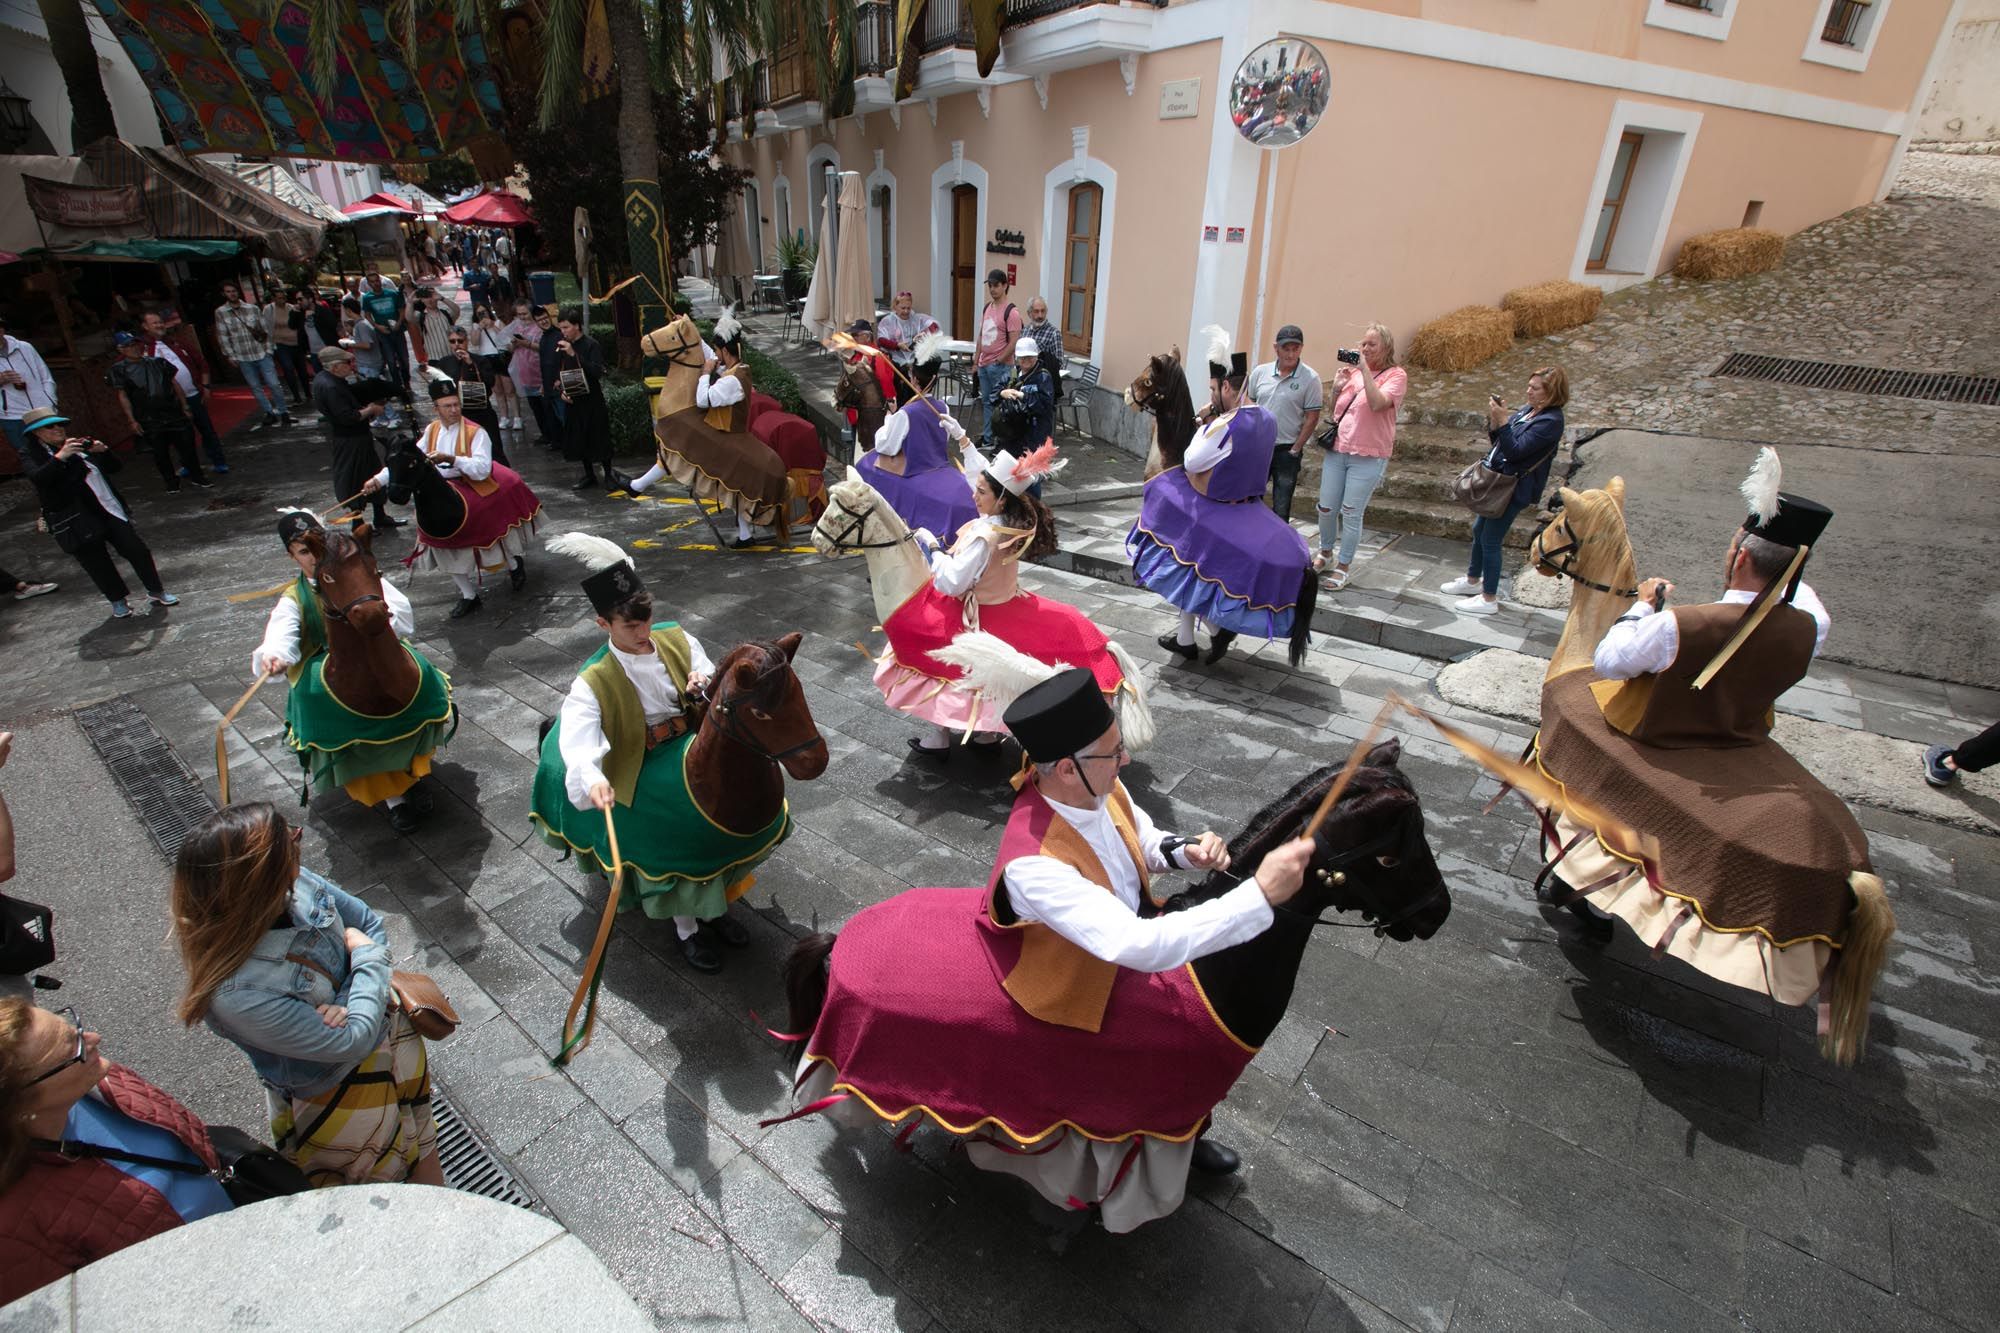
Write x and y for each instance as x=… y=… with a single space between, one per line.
x=819 y=159
x=879 y=219
x=1853 y=58
x=1713 y=23
x=957 y=171
x=781 y=206
x=1055 y=241
x=753 y=223
x=1648 y=121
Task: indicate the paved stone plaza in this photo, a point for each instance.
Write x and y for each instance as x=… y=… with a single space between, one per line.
x=1495 y=1129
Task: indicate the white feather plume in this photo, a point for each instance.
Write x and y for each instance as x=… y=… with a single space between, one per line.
x=593 y=553
x=1001 y=672
x=296 y=509
x=1760 y=488
x=1135 y=716
x=927 y=347
x=727 y=327
x=1220 y=344
x=435 y=376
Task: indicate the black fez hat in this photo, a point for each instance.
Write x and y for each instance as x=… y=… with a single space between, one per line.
x=296 y=523
x=444 y=388
x=1060 y=716
x=611 y=586
x=1798 y=522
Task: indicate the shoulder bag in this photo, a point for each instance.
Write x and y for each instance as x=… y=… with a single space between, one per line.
x=423 y=1000
x=1485 y=490
x=251 y=1171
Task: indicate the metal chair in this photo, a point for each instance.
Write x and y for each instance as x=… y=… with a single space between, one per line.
x=1081 y=377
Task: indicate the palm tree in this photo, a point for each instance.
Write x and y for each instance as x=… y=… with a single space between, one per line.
x=69 y=41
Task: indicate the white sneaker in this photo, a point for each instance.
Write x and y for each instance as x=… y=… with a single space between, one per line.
x=1459 y=586
x=1475 y=605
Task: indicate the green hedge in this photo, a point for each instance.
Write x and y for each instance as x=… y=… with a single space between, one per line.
x=631 y=408
x=631 y=411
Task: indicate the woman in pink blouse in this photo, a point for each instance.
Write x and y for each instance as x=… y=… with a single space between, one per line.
x=1366 y=397
x=524 y=366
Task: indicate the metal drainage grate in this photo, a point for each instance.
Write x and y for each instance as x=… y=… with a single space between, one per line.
x=1937 y=386
x=151 y=775
x=469 y=1165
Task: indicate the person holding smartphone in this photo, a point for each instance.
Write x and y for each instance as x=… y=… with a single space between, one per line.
x=83 y=510
x=1525 y=444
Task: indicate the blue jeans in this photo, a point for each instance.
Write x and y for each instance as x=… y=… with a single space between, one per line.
x=1346 y=482
x=205 y=426
x=16 y=433
x=1487 y=533
x=992 y=379
x=262 y=377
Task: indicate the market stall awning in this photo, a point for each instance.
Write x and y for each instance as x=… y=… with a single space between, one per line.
x=187 y=198
x=152 y=250
x=379 y=203
x=274 y=180
x=494 y=208
x=230 y=76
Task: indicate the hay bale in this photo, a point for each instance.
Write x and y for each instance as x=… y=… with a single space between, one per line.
x=1731 y=253
x=1551 y=307
x=1462 y=339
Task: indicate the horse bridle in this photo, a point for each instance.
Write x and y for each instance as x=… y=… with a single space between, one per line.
x=840 y=541
x=727 y=723
x=340 y=612
x=1335 y=867
x=673 y=354
x=1567 y=567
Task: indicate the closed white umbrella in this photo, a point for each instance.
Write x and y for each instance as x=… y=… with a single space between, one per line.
x=853 y=295
x=817 y=318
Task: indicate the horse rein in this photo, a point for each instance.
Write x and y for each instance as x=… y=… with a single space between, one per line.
x=1567 y=567
x=726 y=722
x=673 y=354
x=841 y=542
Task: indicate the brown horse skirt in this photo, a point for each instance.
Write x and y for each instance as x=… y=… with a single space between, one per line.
x=1750 y=838
x=742 y=464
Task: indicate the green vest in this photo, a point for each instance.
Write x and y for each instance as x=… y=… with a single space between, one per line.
x=624 y=721
x=312 y=626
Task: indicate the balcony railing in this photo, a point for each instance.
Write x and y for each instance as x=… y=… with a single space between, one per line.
x=948 y=23
x=791 y=79
x=874 y=39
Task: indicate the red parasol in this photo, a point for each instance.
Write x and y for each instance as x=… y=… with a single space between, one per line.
x=494 y=208
x=381 y=202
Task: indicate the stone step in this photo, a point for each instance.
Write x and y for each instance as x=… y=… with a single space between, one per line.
x=1436 y=518
x=1440 y=444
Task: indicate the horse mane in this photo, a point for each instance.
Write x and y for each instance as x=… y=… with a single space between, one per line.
x=1173 y=409
x=1374 y=789
x=1596 y=520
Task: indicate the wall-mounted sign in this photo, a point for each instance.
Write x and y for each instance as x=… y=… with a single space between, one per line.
x=1006 y=242
x=1211 y=233
x=1180 y=99
x=68 y=205
x=1236 y=235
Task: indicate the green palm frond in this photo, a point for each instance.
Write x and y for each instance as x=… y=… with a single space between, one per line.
x=562 y=35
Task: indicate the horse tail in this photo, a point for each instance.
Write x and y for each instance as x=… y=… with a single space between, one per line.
x=1302 y=616
x=805 y=982
x=1135 y=716
x=1859 y=962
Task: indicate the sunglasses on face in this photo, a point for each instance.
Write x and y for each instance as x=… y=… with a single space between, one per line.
x=68 y=1016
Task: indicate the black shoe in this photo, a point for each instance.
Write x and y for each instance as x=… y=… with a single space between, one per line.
x=201 y=483
x=466 y=606
x=918 y=748
x=418 y=798
x=286 y=420
x=733 y=932
x=586 y=481
x=1219 y=643
x=1212 y=1158
x=614 y=482
x=1590 y=927
x=1172 y=643
x=386 y=523
x=700 y=954
x=265 y=424
x=404 y=819
x=518 y=575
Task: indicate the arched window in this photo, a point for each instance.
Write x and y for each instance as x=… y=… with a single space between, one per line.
x=1080 y=255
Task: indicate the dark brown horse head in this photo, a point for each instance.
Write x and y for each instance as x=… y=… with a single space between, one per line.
x=757 y=701
x=1162 y=389
x=858 y=387
x=347 y=579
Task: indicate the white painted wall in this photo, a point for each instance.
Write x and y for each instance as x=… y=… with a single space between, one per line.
x=30 y=70
x=1963 y=105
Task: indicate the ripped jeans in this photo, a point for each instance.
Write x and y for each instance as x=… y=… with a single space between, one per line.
x=1346 y=482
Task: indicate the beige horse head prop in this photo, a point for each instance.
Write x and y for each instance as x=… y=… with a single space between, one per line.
x=680 y=344
x=1587 y=544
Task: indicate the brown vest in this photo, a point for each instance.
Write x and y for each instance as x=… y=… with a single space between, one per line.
x=1735 y=707
x=1053 y=979
x=735 y=418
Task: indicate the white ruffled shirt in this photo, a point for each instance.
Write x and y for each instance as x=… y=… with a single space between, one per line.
x=582 y=741
x=439 y=438
x=1108 y=926
x=954 y=572
x=281 y=631
x=1210 y=445
x=1651 y=642
x=726 y=391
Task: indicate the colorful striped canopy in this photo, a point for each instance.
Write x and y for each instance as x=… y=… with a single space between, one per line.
x=227 y=78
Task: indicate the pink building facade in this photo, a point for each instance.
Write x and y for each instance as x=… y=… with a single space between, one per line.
x=1468 y=147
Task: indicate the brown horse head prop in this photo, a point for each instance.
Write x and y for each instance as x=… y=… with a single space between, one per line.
x=1586 y=543
x=367 y=667
x=1162 y=389
x=680 y=345
x=756 y=728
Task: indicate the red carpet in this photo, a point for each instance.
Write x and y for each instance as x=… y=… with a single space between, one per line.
x=229 y=406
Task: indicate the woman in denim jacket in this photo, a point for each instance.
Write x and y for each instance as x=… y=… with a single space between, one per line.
x=296 y=972
x=1525 y=444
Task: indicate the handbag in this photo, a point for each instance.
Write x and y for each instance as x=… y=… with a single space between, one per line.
x=1484 y=491
x=251 y=1170
x=423 y=1000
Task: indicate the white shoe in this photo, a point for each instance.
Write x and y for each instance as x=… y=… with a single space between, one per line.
x=1476 y=606
x=1458 y=587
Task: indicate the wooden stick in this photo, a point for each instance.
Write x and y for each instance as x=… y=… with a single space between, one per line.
x=575 y=1040
x=221 y=750
x=845 y=342
x=1347 y=772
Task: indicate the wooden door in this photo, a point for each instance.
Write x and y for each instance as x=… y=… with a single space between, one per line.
x=964 y=260
x=1616 y=190
x=1079 y=300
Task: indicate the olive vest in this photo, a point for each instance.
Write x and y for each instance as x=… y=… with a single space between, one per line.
x=1053 y=979
x=312 y=626
x=624 y=720
x=1735 y=708
x=735 y=417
